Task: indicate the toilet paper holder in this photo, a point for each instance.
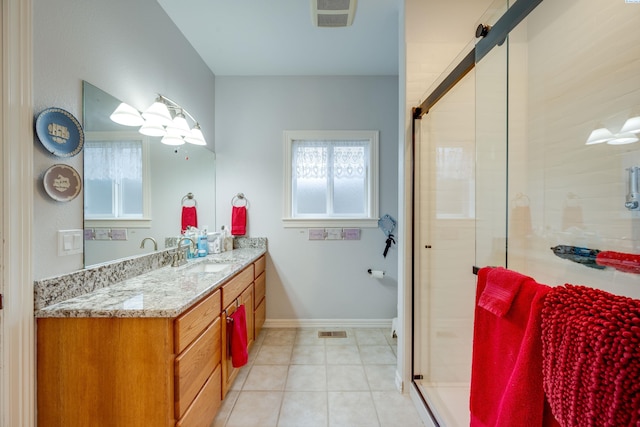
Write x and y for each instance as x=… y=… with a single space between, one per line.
x=378 y=274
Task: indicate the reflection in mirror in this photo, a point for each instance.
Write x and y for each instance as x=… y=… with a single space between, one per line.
x=135 y=185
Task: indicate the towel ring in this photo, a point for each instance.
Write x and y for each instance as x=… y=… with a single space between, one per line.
x=239 y=198
x=189 y=196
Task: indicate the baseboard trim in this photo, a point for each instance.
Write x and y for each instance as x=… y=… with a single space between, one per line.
x=327 y=323
x=399 y=383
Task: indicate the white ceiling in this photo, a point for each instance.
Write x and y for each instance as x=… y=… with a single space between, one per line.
x=277 y=37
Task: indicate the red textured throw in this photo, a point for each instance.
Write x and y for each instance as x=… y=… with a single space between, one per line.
x=239 y=220
x=591 y=357
x=506 y=373
x=239 y=353
x=189 y=217
x=629 y=263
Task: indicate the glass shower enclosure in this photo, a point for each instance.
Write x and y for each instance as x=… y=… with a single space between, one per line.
x=506 y=170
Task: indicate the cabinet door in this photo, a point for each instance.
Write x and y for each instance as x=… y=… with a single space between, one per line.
x=247 y=300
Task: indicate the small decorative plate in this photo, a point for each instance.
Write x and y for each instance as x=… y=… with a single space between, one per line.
x=62 y=183
x=59 y=132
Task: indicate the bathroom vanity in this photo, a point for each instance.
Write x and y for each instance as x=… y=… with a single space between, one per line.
x=151 y=350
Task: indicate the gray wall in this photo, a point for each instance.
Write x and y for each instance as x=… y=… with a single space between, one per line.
x=130 y=49
x=307 y=279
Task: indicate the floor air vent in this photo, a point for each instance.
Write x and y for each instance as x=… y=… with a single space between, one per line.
x=332 y=334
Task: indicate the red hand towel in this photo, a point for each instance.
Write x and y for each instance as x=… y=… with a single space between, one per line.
x=591 y=357
x=506 y=374
x=501 y=288
x=239 y=353
x=189 y=217
x=239 y=220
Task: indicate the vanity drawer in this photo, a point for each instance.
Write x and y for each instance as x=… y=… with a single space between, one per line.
x=259 y=289
x=259 y=265
x=205 y=406
x=195 y=365
x=191 y=323
x=234 y=287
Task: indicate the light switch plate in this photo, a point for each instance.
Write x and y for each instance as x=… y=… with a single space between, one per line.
x=70 y=242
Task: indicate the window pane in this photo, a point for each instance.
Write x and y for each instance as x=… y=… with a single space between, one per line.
x=98 y=200
x=113 y=179
x=311 y=196
x=349 y=180
x=310 y=178
x=131 y=197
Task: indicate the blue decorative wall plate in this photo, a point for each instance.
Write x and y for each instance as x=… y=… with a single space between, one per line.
x=59 y=132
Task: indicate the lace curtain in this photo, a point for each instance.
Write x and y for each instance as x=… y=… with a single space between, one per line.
x=314 y=160
x=113 y=160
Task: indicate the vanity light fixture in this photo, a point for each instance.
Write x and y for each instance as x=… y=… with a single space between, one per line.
x=158 y=112
x=196 y=137
x=126 y=115
x=179 y=125
x=151 y=128
x=627 y=134
x=632 y=125
x=164 y=118
x=599 y=136
x=623 y=138
x=172 y=138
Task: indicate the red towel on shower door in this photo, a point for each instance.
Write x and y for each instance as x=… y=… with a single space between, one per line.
x=239 y=220
x=506 y=373
x=239 y=353
x=189 y=217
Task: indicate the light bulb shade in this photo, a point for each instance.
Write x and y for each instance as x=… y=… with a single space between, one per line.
x=195 y=136
x=179 y=125
x=152 y=129
x=159 y=113
x=172 y=138
x=623 y=138
x=126 y=115
x=599 y=136
x=632 y=125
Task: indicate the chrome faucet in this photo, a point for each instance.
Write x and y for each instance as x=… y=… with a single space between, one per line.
x=178 y=257
x=155 y=244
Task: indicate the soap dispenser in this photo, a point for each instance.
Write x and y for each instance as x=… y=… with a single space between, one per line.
x=203 y=244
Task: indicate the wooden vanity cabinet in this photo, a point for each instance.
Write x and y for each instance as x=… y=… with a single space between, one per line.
x=131 y=371
x=121 y=371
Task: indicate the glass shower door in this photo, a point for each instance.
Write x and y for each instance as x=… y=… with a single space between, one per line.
x=444 y=253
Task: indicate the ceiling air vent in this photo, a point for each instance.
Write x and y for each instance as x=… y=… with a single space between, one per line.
x=333 y=13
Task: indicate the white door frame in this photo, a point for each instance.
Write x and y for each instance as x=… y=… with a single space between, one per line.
x=17 y=349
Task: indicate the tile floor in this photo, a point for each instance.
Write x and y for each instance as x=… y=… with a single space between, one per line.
x=295 y=379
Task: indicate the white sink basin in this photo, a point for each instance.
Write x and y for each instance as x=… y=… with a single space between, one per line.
x=208 y=267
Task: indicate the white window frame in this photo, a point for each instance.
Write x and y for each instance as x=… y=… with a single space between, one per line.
x=145 y=221
x=368 y=221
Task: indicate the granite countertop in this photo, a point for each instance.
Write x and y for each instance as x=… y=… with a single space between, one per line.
x=164 y=292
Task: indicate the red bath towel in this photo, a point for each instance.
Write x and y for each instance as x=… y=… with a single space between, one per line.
x=591 y=357
x=506 y=374
x=239 y=353
x=239 y=220
x=189 y=217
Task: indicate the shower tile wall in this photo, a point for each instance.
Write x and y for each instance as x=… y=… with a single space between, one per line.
x=567 y=82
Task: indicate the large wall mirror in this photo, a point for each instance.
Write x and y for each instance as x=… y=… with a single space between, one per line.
x=135 y=186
